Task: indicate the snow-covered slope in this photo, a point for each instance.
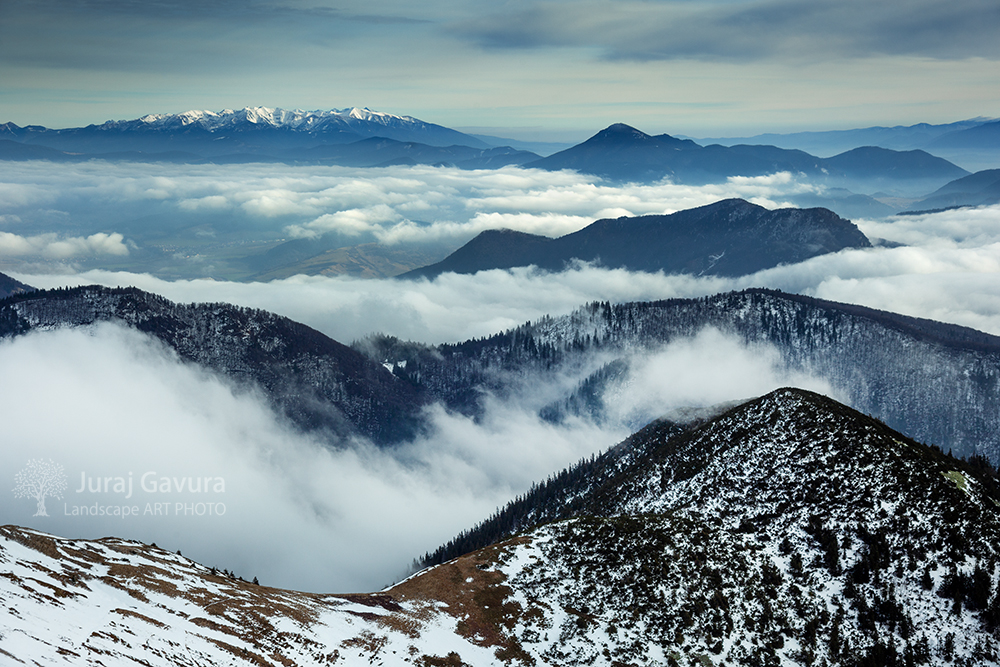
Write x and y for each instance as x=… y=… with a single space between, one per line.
x=789 y=530
x=936 y=382
x=295 y=119
x=115 y=602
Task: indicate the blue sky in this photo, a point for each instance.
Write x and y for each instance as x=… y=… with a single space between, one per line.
x=557 y=69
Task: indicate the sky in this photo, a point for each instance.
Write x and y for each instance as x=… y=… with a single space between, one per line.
x=530 y=69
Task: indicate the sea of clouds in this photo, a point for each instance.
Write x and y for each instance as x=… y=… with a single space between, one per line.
x=346 y=516
x=47 y=203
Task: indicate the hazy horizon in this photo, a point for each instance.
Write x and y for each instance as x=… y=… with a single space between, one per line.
x=720 y=68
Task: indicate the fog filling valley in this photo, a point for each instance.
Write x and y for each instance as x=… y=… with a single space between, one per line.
x=107 y=402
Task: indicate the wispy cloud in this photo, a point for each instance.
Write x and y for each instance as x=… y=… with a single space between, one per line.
x=428 y=205
x=123 y=403
x=946 y=270
x=739 y=31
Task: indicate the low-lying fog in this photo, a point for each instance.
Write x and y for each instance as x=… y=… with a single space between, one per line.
x=108 y=403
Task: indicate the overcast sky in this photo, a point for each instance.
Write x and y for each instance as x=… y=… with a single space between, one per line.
x=558 y=69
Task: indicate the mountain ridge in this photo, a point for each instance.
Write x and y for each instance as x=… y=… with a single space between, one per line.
x=934 y=381
x=789 y=530
x=623 y=153
x=621 y=479
x=730 y=237
x=898 y=137
x=979 y=189
x=10 y=287
x=252 y=129
x=319 y=384
x=885 y=364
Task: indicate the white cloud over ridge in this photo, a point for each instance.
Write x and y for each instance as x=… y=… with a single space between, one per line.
x=943 y=279
x=108 y=402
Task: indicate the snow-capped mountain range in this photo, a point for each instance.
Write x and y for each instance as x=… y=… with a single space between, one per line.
x=364 y=122
x=248 y=131
x=292 y=118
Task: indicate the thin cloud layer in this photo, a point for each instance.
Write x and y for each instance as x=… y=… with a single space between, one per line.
x=707 y=369
x=110 y=401
x=740 y=31
x=52 y=246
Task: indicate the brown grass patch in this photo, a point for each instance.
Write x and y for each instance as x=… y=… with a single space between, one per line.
x=41 y=543
x=373 y=600
x=241 y=653
x=3 y=652
x=203 y=622
x=476 y=597
x=135 y=614
x=451 y=660
x=367 y=641
x=407 y=625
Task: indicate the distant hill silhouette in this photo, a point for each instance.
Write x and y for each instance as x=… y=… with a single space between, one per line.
x=729 y=238
x=986 y=135
x=979 y=189
x=623 y=153
x=9 y=286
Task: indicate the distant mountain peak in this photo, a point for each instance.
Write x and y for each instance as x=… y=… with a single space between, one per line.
x=620 y=134
x=730 y=237
x=280 y=134
x=622 y=128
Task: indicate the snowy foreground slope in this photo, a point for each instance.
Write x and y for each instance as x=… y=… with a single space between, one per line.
x=789 y=530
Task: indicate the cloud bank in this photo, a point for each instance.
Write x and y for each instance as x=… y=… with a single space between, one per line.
x=108 y=403
x=950 y=275
x=166 y=205
x=52 y=246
